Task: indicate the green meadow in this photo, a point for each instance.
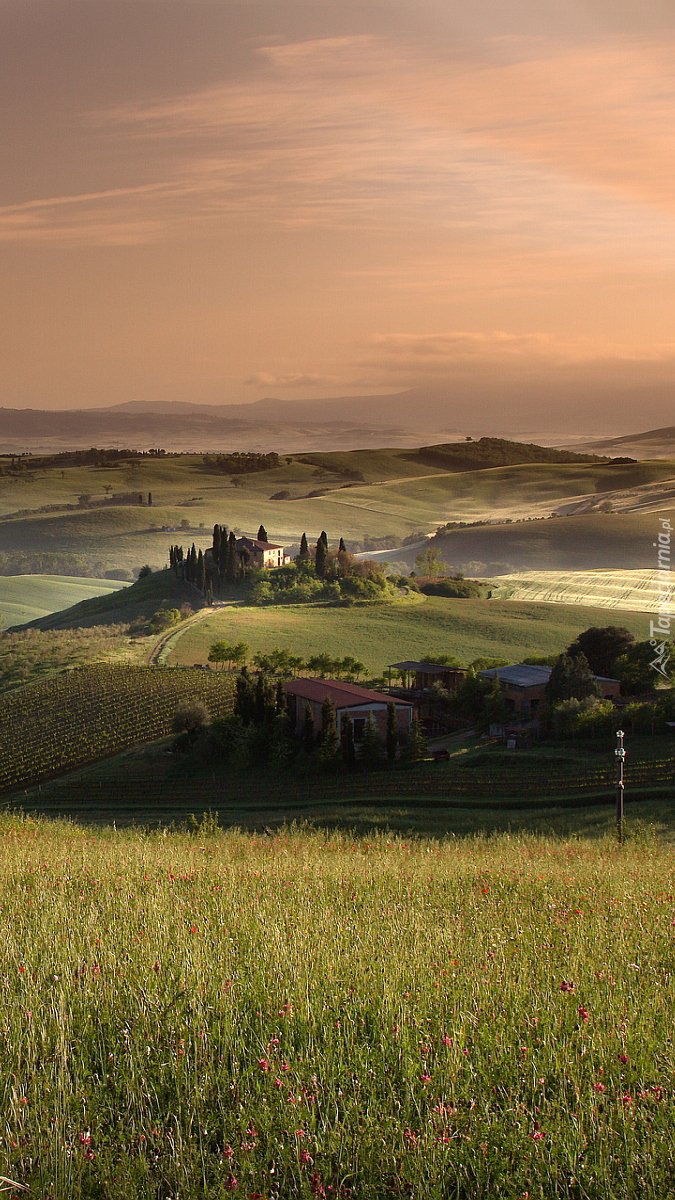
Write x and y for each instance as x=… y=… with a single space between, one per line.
x=379 y=634
x=309 y=1014
x=29 y=597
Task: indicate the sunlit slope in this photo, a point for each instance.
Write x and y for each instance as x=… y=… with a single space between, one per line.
x=379 y=634
x=139 y=599
x=637 y=591
x=354 y=494
x=509 y=491
x=594 y=541
x=30 y=597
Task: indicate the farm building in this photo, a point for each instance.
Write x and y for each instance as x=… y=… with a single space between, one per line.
x=262 y=554
x=348 y=698
x=524 y=686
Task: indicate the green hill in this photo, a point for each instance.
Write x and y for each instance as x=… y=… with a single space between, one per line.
x=379 y=634
x=120 y=607
x=29 y=597
x=388 y=492
x=593 y=541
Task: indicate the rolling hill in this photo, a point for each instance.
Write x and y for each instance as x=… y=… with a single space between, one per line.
x=361 y=494
x=379 y=634
x=635 y=591
x=29 y=597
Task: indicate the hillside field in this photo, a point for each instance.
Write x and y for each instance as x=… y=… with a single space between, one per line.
x=379 y=634
x=637 y=591
x=356 y=494
x=309 y=1014
x=29 y=597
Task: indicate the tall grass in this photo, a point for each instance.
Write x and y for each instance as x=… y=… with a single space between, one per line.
x=316 y=1015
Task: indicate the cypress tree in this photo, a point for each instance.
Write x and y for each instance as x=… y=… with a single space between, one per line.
x=329 y=739
x=348 y=747
x=308 y=730
x=260 y=700
x=149 y=499
x=262 y=534
x=231 y=565
x=201 y=572
x=320 y=560
x=391 y=741
x=372 y=751
x=244 y=704
x=216 y=544
x=304 y=548
x=415 y=749
x=342 y=549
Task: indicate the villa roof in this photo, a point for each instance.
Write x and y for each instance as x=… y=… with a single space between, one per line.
x=256 y=544
x=343 y=695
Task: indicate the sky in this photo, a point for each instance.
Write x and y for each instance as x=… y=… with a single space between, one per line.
x=222 y=200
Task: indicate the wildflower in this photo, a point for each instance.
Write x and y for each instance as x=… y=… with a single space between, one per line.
x=583 y=1014
x=627 y=1100
x=623 y=1058
x=447 y=1041
x=600 y=1088
x=231 y=1183
x=305 y=1158
x=566 y=986
x=425 y=1077
x=263 y=1064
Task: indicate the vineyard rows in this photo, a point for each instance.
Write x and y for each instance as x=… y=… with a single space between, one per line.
x=67 y=720
x=438 y=788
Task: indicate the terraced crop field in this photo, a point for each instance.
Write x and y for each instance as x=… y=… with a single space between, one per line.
x=632 y=591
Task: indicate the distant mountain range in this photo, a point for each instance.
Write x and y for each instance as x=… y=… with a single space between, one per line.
x=340 y=423
x=409 y=418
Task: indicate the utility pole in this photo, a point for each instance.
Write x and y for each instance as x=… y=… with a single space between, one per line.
x=620 y=755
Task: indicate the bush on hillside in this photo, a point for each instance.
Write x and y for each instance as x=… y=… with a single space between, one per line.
x=454 y=587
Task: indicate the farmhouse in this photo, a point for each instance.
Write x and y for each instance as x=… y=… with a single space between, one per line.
x=262 y=554
x=524 y=686
x=348 y=698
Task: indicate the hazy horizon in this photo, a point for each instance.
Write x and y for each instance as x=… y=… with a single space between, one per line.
x=218 y=201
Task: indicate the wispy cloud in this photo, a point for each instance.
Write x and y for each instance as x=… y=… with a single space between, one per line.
x=290 y=379
x=560 y=147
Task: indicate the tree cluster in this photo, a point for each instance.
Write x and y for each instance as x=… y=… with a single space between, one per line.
x=241 y=462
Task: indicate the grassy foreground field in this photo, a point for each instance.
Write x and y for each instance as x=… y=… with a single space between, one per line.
x=28 y=597
x=379 y=634
x=305 y=1015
